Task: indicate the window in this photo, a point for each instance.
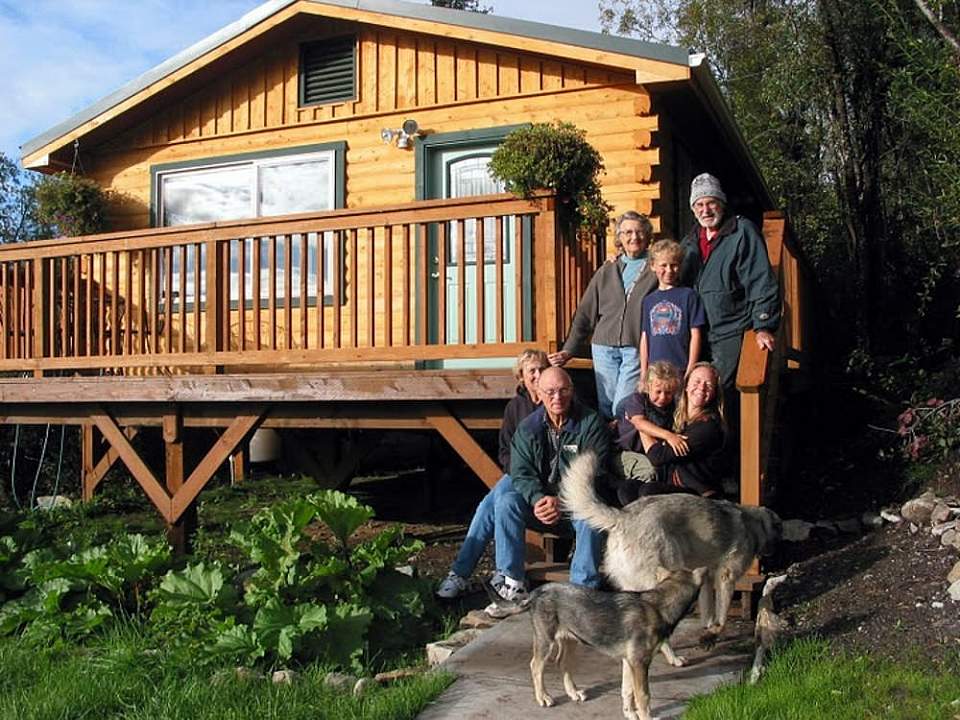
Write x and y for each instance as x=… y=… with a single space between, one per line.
x=328 y=70
x=466 y=176
x=252 y=187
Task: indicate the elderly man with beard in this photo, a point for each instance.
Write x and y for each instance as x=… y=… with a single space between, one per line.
x=726 y=262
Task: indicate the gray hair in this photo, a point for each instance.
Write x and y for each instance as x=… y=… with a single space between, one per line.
x=644 y=221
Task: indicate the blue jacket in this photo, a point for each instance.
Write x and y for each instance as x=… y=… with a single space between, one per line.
x=737 y=284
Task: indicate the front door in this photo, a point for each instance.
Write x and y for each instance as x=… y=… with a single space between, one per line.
x=454 y=169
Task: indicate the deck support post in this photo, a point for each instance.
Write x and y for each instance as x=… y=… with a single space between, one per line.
x=97 y=469
x=86 y=461
x=179 y=532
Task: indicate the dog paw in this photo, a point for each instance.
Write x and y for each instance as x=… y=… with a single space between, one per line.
x=545 y=700
x=578 y=696
x=678 y=661
x=629 y=714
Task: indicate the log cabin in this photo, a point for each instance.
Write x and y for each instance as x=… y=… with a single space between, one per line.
x=304 y=234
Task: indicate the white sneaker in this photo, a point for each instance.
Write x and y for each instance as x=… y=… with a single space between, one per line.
x=452 y=586
x=511 y=590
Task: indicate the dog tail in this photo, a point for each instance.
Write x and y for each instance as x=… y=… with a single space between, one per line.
x=577 y=494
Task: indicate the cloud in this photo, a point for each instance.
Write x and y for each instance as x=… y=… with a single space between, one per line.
x=56 y=58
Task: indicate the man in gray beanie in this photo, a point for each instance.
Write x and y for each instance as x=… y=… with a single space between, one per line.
x=726 y=261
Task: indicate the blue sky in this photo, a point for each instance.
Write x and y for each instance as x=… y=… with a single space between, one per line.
x=59 y=56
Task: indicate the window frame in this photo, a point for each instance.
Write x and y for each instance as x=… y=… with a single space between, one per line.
x=267 y=158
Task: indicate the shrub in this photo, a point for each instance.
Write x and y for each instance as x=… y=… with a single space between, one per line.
x=72 y=204
x=555 y=157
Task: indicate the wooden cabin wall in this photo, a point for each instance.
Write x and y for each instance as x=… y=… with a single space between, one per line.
x=446 y=86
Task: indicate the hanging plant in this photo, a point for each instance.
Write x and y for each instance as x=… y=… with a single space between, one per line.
x=555 y=157
x=71 y=205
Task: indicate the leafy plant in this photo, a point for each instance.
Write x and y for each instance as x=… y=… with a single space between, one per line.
x=303 y=598
x=555 y=157
x=930 y=430
x=72 y=204
x=73 y=596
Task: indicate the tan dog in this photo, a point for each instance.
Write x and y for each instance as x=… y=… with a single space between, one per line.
x=627 y=625
x=674 y=531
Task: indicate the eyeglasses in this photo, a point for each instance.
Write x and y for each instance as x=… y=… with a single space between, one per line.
x=556 y=392
x=633 y=233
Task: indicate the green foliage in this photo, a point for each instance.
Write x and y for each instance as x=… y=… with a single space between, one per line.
x=18 y=206
x=73 y=596
x=303 y=599
x=126 y=675
x=554 y=157
x=808 y=680
x=72 y=204
x=851 y=110
x=308 y=592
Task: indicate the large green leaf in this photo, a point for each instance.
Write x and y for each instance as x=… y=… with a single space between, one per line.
x=341 y=513
x=194 y=585
x=238 y=642
x=343 y=639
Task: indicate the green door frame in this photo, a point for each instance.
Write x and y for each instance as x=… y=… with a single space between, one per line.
x=425 y=189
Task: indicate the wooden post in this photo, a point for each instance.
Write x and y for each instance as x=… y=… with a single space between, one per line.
x=545 y=266
x=87 y=461
x=238 y=463
x=213 y=332
x=39 y=316
x=178 y=532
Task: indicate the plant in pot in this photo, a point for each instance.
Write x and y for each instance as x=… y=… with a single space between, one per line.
x=71 y=205
x=556 y=157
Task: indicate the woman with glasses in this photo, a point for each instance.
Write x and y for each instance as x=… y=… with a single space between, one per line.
x=608 y=317
x=699 y=418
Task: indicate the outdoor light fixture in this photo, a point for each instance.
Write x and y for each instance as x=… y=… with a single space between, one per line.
x=407 y=132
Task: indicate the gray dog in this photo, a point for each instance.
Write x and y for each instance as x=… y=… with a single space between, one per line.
x=627 y=625
x=674 y=531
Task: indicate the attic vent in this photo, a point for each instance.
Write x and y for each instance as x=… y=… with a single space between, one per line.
x=328 y=70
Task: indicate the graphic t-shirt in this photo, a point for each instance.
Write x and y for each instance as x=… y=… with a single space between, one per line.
x=668 y=316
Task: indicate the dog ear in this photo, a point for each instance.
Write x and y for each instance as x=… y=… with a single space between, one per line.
x=699 y=574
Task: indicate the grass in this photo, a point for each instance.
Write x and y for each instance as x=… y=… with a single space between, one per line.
x=122 y=677
x=805 y=680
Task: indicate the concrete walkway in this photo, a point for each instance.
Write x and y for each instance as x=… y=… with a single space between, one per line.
x=494 y=676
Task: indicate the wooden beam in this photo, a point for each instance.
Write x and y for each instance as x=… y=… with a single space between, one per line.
x=339 y=385
x=103 y=465
x=214 y=458
x=460 y=440
x=86 y=461
x=128 y=454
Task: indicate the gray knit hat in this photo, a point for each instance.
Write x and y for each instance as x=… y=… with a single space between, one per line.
x=706 y=185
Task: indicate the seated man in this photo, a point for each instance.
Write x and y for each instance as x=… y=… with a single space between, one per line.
x=544 y=445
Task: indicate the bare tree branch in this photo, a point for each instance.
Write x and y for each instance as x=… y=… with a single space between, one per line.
x=940 y=27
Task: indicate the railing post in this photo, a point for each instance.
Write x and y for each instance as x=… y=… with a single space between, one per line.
x=214 y=312
x=545 y=264
x=39 y=316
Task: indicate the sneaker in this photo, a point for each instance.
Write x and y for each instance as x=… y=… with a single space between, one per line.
x=511 y=590
x=452 y=586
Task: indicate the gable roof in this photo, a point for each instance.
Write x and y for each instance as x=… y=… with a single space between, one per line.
x=645 y=58
x=652 y=63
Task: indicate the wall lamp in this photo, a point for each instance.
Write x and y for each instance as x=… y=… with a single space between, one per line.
x=403 y=135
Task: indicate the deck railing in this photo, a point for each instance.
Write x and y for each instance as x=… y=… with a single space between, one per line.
x=398 y=283
x=760 y=373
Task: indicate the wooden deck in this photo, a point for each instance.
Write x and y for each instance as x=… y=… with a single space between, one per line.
x=242 y=325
